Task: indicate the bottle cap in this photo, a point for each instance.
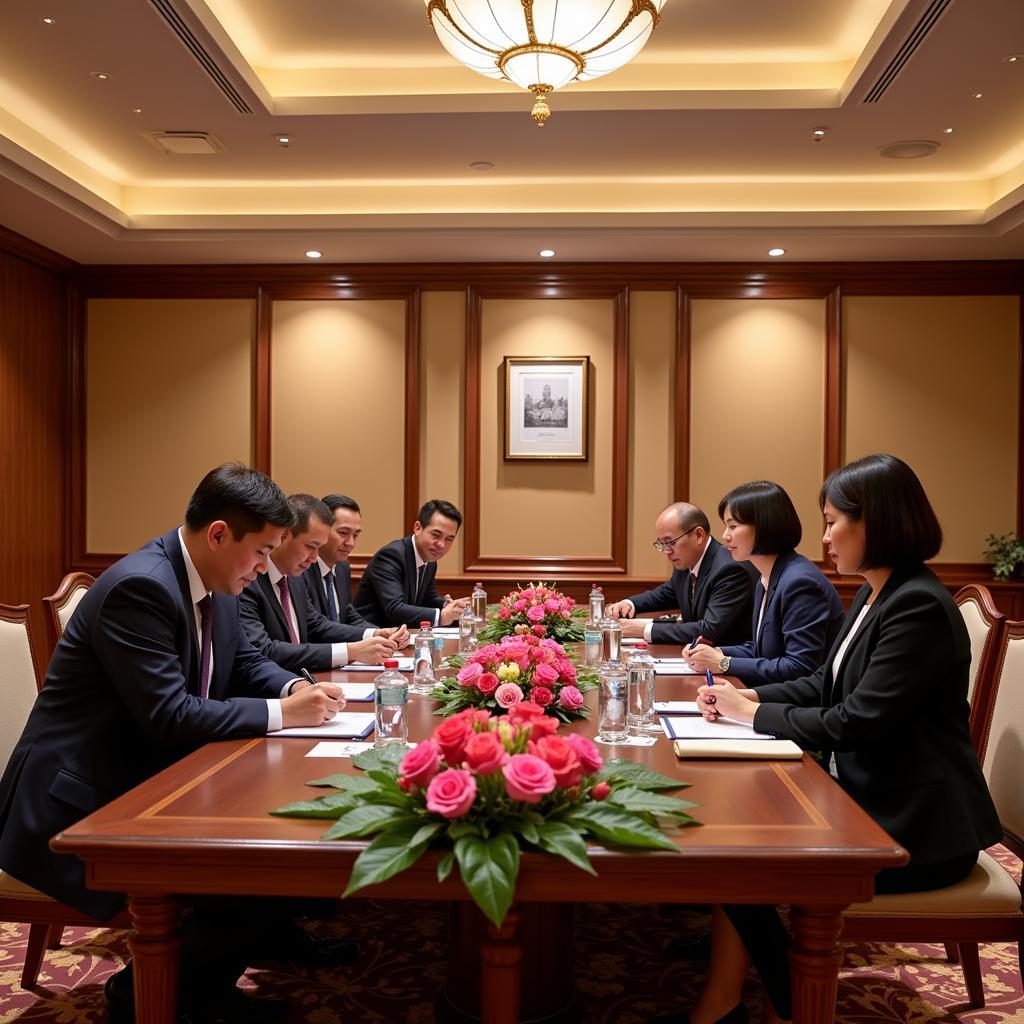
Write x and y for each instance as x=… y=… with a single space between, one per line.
x=642 y=646
x=480 y=585
x=391 y=664
x=425 y=624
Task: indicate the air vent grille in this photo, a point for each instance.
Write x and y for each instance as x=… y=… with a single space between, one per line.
x=178 y=26
x=924 y=25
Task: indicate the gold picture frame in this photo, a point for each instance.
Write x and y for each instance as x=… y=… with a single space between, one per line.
x=547 y=408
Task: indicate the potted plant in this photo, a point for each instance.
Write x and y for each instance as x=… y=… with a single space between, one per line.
x=1007 y=552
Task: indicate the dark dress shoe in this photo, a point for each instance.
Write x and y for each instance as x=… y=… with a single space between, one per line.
x=737 y=1015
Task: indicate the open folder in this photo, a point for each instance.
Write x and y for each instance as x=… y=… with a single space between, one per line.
x=759 y=750
x=346 y=725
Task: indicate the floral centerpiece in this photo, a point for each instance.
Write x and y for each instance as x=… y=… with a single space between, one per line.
x=535 y=605
x=481 y=789
x=525 y=667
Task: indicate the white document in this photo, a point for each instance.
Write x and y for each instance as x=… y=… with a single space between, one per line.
x=676 y=707
x=673 y=667
x=357 y=691
x=404 y=665
x=336 y=748
x=697 y=728
x=345 y=725
x=449 y=632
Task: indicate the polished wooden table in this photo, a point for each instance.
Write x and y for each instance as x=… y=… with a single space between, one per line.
x=773 y=832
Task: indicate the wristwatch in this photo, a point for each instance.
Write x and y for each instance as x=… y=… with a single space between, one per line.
x=724 y=663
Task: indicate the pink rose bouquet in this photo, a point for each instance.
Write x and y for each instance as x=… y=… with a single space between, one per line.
x=537 y=609
x=484 y=787
x=521 y=668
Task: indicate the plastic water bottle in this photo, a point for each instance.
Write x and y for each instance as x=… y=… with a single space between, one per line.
x=596 y=603
x=479 y=603
x=467 y=631
x=592 y=641
x=640 y=720
x=611 y=705
x=423 y=660
x=390 y=697
x=611 y=639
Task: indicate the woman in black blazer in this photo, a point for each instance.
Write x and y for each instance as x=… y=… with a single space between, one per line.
x=797 y=612
x=888 y=711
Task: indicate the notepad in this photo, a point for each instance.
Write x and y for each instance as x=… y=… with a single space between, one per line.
x=673 y=667
x=345 y=725
x=697 y=728
x=404 y=665
x=356 y=691
x=336 y=748
x=676 y=707
x=760 y=750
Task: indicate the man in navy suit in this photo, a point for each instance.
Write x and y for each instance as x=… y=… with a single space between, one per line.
x=280 y=618
x=714 y=594
x=398 y=588
x=152 y=665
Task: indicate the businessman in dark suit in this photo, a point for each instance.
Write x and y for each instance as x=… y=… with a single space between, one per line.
x=714 y=594
x=152 y=665
x=278 y=614
x=398 y=588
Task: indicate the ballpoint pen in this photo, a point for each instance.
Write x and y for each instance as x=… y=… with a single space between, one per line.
x=696 y=640
x=710 y=678
x=307 y=675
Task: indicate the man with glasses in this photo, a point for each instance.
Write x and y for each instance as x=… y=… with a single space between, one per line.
x=714 y=594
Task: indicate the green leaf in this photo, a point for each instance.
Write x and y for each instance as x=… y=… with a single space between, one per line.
x=348 y=783
x=620 y=827
x=637 y=775
x=330 y=780
x=654 y=803
x=426 y=832
x=366 y=819
x=489 y=868
x=445 y=864
x=380 y=757
x=558 y=838
x=334 y=805
x=457 y=829
x=528 y=830
x=388 y=854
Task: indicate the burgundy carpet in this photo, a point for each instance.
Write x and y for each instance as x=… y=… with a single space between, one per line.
x=622 y=972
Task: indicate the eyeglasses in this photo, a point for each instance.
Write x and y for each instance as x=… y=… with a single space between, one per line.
x=667 y=545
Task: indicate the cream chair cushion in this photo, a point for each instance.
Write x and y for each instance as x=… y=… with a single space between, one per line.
x=978 y=630
x=17 y=685
x=1004 y=751
x=64 y=613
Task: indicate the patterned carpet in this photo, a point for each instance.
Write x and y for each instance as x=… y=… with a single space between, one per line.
x=622 y=972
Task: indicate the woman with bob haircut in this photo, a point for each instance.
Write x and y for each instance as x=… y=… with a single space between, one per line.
x=888 y=711
x=797 y=612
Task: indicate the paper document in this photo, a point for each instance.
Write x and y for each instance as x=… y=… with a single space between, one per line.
x=338 y=748
x=673 y=667
x=357 y=691
x=404 y=665
x=693 y=728
x=676 y=707
x=761 y=750
x=449 y=632
x=355 y=725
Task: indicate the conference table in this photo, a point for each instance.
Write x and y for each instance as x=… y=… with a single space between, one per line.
x=777 y=832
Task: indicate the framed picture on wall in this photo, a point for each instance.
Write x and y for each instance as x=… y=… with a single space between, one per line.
x=546 y=415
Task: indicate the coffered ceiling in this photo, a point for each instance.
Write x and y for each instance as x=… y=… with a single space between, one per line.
x=703 y=148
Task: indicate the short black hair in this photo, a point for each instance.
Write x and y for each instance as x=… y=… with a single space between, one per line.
x=306 y=507
x=246 y=499
x=769 y=509
x=900 y=527
x=336 y=501
x=441 y=507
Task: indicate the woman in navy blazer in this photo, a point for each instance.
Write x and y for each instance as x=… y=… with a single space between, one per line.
x=797 y=612
x=888 y=711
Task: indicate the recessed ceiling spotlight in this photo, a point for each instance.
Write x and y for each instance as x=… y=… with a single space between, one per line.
x=947 y=131
x=546 y=253
x=776 y=252
x=1012 y=59
x=49 y=21
x=136 y=110
x=101 y=75
x=314 y=254
x=820 y=133
x=283 y=140
x=481 y=165
x=913 y=149
x=976 y=95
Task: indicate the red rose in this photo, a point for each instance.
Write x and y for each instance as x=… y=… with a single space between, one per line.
x=420 y=765
x=485 y=753
x=451 y=737
x=541 y=696
x=600 y=790
x=539 y=630
x=487 y=683
x=560 y=755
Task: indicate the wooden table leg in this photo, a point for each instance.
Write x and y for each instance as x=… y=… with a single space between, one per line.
x=499 y=972
x=155 y=944
x=814 y=960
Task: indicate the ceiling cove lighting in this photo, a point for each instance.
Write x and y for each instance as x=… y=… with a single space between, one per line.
x=542 y=45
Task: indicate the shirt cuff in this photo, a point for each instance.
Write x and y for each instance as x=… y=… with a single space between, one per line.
x=626 y=600
x=275 y=718
x=648 y=629
x=368 y=632
x=437 y=616
x=339 y=655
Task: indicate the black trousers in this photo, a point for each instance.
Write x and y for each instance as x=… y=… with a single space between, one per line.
x=767 y=941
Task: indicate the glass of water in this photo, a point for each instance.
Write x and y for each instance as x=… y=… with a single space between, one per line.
x=611 y=713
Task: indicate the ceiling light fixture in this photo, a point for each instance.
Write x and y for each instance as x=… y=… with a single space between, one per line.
x=776 y=252
x=947 y=131
x=542 y=46
x=136 y=110
x=546 y=253
x=1012 y=59
x=314 y=254
x=482 y=165
x=283 y=140
x=48 y=20
x=976 y=95
x=101 y=75
x=820 y=132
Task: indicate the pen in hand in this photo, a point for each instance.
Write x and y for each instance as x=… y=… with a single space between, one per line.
x=696 y=640
x=308 y=676
x=709 y=698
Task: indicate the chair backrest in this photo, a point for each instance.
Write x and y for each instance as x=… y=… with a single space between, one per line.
x=1002 y=752
x=62 y=603
x=985 y=625
x=18 y=678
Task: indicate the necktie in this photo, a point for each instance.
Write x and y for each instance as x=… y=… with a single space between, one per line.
x=332 y=600
x=286 y=604
x=693 y=588
x=419 y=580
x=206 y=644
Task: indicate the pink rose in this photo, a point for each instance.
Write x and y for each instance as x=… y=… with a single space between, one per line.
x=558 y=752
x=551 y=604
x=524 y=714
x=539 y=631
x=600 y=791
x=485 y=753
x=589 y=755
x=527 y=778
x=451 y=736
x=566 y=670
x=570 y=698
x=420 y=765
x=530 y=717
x=535 y=613
x=504 y=613
x=514 y=648
x=451 y=793
x=541 y=696
x=520 y=605
x=545 y=675
x=507 y=695
x=470 y=674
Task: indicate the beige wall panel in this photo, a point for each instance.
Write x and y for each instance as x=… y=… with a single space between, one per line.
x=168 y=397
x=337 y=406
x=652 y=347
x=546 y=508
x=758 y=403
x=442 y=405
x=934 y=381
